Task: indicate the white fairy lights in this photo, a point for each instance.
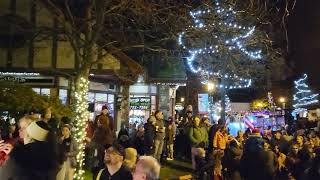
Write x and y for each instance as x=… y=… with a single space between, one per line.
x=216 y=108
x=225 y=37
x=82 y=115
x=303 y=97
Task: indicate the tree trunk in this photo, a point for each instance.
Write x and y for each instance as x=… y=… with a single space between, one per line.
x=124 y=108
x=80 y=105
x=223 y=105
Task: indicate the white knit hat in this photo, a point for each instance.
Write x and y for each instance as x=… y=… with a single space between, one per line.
x=36 y=132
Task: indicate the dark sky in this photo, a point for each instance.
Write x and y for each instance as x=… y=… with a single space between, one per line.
x=304 y=39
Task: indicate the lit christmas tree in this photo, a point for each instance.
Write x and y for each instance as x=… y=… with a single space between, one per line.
x=303 y=96
x=220 y=49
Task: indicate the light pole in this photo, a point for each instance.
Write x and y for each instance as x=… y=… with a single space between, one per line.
x=283 y=101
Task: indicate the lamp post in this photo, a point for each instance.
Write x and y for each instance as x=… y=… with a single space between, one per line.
x=283 y=101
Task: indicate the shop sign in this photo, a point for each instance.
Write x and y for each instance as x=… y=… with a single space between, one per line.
x=137 y=103
x=28 y=80
x=203 y=103
x=12 y=79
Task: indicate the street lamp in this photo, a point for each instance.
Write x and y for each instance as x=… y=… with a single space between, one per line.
x=210 y=86
x=283 y=101
x=259 y=104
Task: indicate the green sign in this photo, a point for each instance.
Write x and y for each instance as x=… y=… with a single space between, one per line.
x=137 y=103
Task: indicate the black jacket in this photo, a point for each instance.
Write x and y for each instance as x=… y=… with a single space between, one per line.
x=30 y=162
x=149 y=134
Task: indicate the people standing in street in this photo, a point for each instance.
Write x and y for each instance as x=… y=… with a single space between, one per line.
x=36 y=159
x=170 y=140
x=69 y=149
x=198 y=137
x=160 y=135
x=149 y=135
x=114 y=168
x=102 y=137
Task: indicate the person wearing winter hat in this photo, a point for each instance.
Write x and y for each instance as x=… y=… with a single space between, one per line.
x=36 y=159
x=149 y=135
x=103 y=135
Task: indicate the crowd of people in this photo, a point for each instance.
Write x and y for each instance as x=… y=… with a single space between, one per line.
x=38 y=148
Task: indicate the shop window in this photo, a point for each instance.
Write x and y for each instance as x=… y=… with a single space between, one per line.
x=63 y=96
x=42 y=91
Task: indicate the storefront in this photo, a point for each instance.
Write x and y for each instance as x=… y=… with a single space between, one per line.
x=143 y=101
x=101 y=94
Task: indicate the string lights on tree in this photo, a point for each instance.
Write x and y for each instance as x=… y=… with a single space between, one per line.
x=81 y=117
x=216 y=43
x=215 y=108
x=303 y=96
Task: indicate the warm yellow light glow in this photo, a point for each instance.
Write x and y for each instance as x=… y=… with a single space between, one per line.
x=259 y=104
x=81 y=117
x=182 y=99
x=282 y=99
x=210 y=86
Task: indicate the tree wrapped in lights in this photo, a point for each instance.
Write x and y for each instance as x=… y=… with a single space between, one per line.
x=221 y=49
x=216 y=108
x=303 y=96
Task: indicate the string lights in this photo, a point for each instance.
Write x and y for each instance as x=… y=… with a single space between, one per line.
x=223 y=37
x=303 y=97
x=216 y=108
x=82 y=115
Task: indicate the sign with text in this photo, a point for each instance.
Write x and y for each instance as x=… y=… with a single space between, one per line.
x=203 y=103
x=140 y=103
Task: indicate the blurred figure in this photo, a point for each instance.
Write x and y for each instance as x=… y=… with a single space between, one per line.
x=147 y=168
x=149 y=135
x=130 y=158
x=170 y=140
x=36 y=159
x=160 y=135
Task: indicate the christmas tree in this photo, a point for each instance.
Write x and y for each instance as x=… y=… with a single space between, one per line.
x=220 y=49
x=218 y=45
x=303 y=96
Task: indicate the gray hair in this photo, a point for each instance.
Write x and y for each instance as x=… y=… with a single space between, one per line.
x=151 y=167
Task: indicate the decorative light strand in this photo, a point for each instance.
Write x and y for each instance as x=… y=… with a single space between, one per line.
x=227 y=16
x=303 y=97
x=82 y=115
x=216 y=108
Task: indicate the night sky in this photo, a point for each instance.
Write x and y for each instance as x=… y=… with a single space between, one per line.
x=304 y=39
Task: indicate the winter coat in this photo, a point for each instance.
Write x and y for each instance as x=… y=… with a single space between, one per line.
x=160 y=131
x=220 y=141
x=231 y=159
x=253 y=163
x=198 y=136
x=149 y=134
x=30 y=162
x=170 y=136
x=71 y=153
